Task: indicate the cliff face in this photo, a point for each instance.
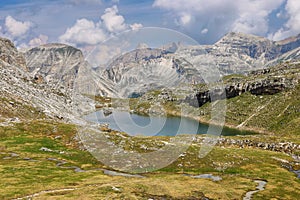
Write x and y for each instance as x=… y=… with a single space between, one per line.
x=55 y=63
x=10 y=55
x=260 y=82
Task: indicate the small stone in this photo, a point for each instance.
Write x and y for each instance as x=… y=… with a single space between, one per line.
x=116 y=189
x=45 y=149
x=57 y=137
x=14 y=155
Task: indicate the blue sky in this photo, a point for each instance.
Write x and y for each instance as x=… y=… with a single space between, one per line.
x=89 y=22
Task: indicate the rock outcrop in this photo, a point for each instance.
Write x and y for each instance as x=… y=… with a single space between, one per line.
x=260 y=82
x=10 y=55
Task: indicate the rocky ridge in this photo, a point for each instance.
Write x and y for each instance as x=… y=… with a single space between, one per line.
x=144 y=69
x=270 y=81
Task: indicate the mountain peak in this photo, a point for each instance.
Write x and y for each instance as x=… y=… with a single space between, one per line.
x=241 y=36
x=50 y=46
x=10 y=54
x=49 y=60
x=7 y=42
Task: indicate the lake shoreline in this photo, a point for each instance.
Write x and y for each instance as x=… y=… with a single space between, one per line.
x=227 y=130
x=255 y=130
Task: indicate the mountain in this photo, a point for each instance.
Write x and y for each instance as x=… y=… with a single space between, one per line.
x=52 y=76
x=290 y=56
x=240 y=53
x=289 y=44
x=24 y=97
x=145 y=69
x=55 y=63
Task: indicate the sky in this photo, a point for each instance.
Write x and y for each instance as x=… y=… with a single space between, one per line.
x=84 y=23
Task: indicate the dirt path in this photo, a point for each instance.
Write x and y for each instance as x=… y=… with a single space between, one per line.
x=254 y=114
x=45 y=192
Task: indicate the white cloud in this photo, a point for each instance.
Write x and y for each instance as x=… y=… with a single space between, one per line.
x=185 y=19
x=280 y=15
x=136 y=26
x=249 y=16
x=102 y=54
x=84 y=32
x=253 y=16
x=292 y=26
x=41 y=39
x=204 y=31
x=247 y=24
x=17 y=28
x=112 y=20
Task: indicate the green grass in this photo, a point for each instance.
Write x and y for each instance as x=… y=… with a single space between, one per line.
x=277 y=113
x=20 y=177
x=237 y=167
x=234 y=77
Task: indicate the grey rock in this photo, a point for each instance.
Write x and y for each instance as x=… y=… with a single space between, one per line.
x=10 y=55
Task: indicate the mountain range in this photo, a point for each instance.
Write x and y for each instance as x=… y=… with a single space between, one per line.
x=45 y=78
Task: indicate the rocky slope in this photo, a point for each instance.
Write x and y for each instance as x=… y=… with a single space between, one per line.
x=290 y=56
x=23 y=97
x=62 y=65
